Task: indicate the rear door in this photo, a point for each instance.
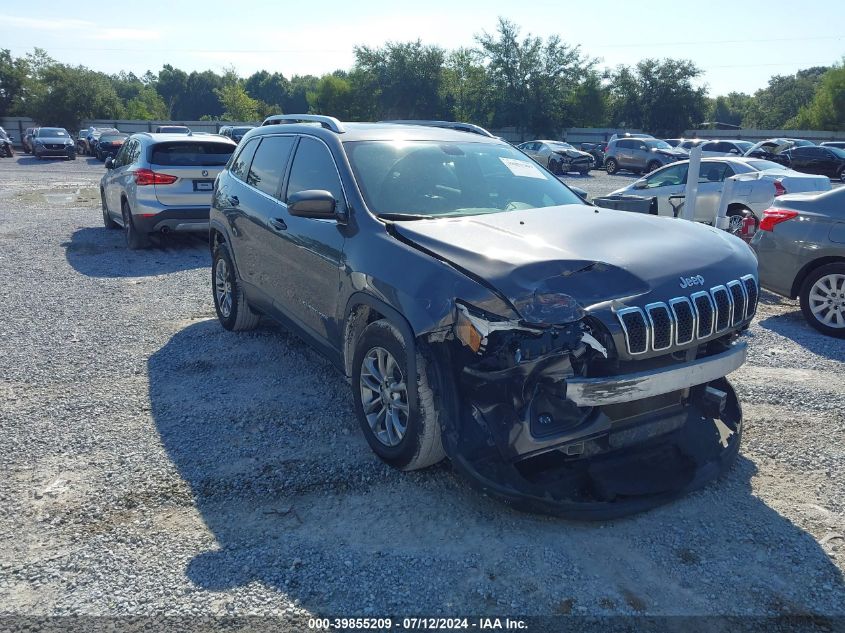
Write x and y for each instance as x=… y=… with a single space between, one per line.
x=668 y=186
x=711 y=181
x=801 y=159
x=119 y=178
x=625 y=153
x=193 y=165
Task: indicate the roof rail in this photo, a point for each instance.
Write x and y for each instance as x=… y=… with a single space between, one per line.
x=328 y=122
x=452 y=125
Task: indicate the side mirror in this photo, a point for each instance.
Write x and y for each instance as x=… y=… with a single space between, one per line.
x=109 y=163
x=735 y=152
x=312 y=203
x=640 y=184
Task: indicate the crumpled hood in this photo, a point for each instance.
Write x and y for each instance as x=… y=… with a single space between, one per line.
x=680 y=154
x=593 y=255
x=574 y=154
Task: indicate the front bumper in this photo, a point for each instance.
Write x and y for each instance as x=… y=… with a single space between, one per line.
x=645 y=438
x=53 y=149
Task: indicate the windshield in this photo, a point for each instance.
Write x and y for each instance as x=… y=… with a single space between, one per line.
x=658 y=144
x=240 y=131
x=744 y=145
x=839 y=153
x=52 y=131
x=430 y=178
x=108 y=138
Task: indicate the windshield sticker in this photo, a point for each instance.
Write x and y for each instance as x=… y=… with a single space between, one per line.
x=522 y=168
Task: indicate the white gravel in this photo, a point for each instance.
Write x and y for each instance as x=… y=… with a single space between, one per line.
x=154 y=463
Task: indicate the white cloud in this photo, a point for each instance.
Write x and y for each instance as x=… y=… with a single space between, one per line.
x=94 y=30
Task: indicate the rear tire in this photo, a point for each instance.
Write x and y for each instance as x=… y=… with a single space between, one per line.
x=108 y=222
x=135 y=239
x=611 y=166
x=403 y=431
x=231 y=305
x=652 y=166
x=735 y=217
x=823 y=297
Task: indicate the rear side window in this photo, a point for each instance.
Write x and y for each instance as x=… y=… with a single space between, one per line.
x=268 y=165
x=189 y=154
x=626 y=144
x=314 y=168
x=240 y=166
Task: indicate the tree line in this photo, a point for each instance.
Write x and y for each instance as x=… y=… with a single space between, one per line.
x=538 y=86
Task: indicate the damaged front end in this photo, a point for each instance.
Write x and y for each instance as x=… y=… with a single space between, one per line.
x=547 y=416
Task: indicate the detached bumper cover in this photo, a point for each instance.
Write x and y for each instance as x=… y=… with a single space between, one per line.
x=596 y=392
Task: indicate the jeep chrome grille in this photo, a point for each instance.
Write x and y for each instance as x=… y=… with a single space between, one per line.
x=660 y=326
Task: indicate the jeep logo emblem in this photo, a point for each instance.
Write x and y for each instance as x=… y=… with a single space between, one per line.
x=686 y=282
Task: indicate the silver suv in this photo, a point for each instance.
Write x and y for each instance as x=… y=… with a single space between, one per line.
x=640 y=155
x=159 y=183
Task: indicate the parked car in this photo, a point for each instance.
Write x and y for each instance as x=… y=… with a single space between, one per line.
x=596 y=150
x=619 y=135
x=26 y=141
x=6 y=148
x=688 y=144
x=801 y=252
x=235 y=132
x=558 y=157
x=775 y=149
x=674 y=142
x=92 y=137
x=724 y=147
x=172 y=129
x=640 y=155
x=839 y=144
x=482 y=311
x=160 y=183
x=109 y=144
x=761 y=182
x=824 y=160
x=53 y=141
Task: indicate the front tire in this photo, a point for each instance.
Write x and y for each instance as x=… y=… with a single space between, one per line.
x=135 y=239
x=231 y=305
x=653 y=165
x=403 y=430
x=823 y=299
x=736 y=218
x=611 y=166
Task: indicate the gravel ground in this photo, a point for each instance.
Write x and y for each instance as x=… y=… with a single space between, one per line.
x=154 y=463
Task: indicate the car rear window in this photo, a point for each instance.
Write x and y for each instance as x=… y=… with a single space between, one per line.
x=763 y=165
x=180 y=153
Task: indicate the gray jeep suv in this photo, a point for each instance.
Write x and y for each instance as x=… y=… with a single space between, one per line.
x=566 y=358
x=640 y=155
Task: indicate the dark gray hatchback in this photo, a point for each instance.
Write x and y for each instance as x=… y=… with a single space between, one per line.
x=567 y=359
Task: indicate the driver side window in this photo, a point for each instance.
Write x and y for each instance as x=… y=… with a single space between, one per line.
x=671 y=176
x=122 y=157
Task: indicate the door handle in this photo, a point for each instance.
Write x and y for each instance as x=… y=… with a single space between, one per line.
x=234 y=201
x=278 y=224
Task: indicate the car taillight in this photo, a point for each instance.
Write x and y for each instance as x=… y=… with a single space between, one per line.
x=779 y=189
x=150 y=177
x=775 y=216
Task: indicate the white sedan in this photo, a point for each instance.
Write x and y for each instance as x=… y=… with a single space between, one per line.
x=758 y=183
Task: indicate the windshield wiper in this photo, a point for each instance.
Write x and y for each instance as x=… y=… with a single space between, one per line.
x=405 y=216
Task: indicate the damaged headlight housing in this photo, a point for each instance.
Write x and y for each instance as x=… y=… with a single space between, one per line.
x=549 y=308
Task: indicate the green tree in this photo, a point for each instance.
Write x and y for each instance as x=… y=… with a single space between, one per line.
x=531 y=78
x=13 y=78
x=296 y=100
x=73 y=93
x=404 y=79
x=730 y=108
x=332 y=97
x=271 y=89
x=147 y=105
x=236 y=103
x=171 y=85
x=783 y=98
x=827 y=109
x=200 y=96
x=466 y=91
x=657 y=96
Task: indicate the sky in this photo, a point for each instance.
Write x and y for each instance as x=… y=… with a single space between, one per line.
x=738 y=44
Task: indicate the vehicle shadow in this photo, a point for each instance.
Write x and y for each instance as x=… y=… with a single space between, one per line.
x=29 y=159
x=101 y=252
x=262 y=431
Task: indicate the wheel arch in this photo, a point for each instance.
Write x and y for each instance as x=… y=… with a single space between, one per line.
x=363 y=309
x=809 y=268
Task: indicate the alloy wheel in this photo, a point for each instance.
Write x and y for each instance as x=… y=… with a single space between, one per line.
x=223 y=287
x=384 y=396
x=827 y=300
